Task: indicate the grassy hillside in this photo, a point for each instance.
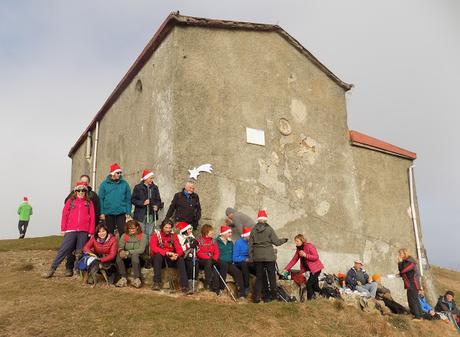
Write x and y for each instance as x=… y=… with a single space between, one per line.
x=61 y=306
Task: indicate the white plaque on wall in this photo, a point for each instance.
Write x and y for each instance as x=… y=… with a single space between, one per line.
x=255 y=136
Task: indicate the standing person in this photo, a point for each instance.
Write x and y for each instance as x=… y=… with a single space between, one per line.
x=309 y=261
x=115 y=198
x=185 y=206
x=24 y=212
x=131 y=246
x=237 y=221
x=225 y=263
x=97 y=211
x=165 y=250
x=241 y=257
x=208 y=254
x=189 y=245
x=77 y=224
x=358 y=279
x=261 y=252
x=408 y=271
x=147 y=202
x=105 y=246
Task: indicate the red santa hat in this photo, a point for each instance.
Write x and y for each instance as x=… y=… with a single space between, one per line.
x=246 y=232
x=114 y=168
x=25 y=199
x=146 y=174
x=262 y=215
x=81 y=184
x=182 y=227
x=225 y=230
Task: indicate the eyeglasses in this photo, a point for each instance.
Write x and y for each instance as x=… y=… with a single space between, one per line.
x=81 y=190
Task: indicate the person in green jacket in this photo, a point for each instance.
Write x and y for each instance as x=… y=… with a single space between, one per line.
x=24 y=211
x=225 y=263
x=115 y=200
x=131 y=246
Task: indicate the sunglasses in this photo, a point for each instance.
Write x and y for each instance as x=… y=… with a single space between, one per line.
x=81 y=190
x=120 y=173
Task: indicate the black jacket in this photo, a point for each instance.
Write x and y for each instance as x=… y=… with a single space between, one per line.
x=408 y=271
x=96 y=203
x=187 y=209
x=444 y=306
x=141 y=193
x=351 y=279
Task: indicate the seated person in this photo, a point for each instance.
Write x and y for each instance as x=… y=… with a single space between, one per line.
x=225 y=263
x=189 y=245
x=384 y=294
x=105 y=246
x=208 y=254
x=358 y=279
x=131 y=246
x=241 y=257
x=446 y=304
x=428 y=312
x=165 y=251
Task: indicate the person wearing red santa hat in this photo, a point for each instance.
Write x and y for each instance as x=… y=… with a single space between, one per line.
x=147 y=202
x=241 y=257
x=261 y=252
x=77 y=225
x=190 y=246
x=115 y=199
x=24 y=212
x=225 y=262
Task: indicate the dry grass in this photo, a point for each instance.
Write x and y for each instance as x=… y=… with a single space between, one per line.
x=64 y=307
x=446 y=279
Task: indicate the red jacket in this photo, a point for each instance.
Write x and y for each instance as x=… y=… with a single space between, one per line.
x=160 y=243
x=207 y=249
x=107 y=251
x=79 y=217
x=312 y=260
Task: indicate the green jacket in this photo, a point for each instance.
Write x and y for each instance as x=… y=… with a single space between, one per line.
x=225 y=250
x=24 y=211
x=133 y=245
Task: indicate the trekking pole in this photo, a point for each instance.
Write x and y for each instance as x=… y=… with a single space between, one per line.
x=226 y=285
x=194 y=272
x=147 y=216
x=170 y=280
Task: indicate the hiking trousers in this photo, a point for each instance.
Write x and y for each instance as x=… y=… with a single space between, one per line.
x=209 y=272
x=246 y=269
x=73 y=241
x=159 y=261
x=133 y=260
x=22 y=227
x=414 y=303
x=313 y=284
x=115 y=222
x=265 y=271
x=228 y=268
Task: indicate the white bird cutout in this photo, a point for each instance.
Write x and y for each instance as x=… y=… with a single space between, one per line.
x=195 y=172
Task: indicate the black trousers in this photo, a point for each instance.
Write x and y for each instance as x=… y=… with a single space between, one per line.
x=189 y=267
x=264 y=271
x=115 y=222
x=209 y=273
x=246 y=270
x=159 y=261
x=228 y=268
x=414 y=303
x=22 y=227
x=134 y=261
x=313 y=284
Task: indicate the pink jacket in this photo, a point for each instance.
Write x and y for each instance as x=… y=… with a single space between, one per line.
x=78 y=218
x=312 y=259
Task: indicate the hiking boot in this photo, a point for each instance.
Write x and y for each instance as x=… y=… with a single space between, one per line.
x=156 y=286
x=49 y=273
x=68 y=273
x=137 y=283
x=123 y=282
x=256 y=300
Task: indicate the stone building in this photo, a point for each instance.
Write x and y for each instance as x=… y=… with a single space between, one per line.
x=271 y=119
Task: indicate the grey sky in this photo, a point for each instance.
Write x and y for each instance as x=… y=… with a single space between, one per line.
x=59 y=60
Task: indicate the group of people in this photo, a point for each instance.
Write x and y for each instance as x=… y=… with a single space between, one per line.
x=102 y=226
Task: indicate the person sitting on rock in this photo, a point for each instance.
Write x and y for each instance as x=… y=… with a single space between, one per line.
x=208 y=254
x=131 y=246
x=358 y=279
x=105 y=246
x=189 y=246
x=446 y=304
x=225 y=263
x=166 y=251
x=241 y=257
x=309 y=261
x=427 y=310
x=384 y=294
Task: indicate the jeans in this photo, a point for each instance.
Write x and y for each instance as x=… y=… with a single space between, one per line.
x=73 y=241
x=369 y=289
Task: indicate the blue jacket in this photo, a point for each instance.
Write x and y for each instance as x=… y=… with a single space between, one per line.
x=425 y=306
x=115 y=197
x=240 y=251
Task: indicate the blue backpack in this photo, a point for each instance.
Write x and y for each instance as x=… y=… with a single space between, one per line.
x=85 y=261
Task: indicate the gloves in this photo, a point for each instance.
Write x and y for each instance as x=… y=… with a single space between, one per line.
x=193 y=243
